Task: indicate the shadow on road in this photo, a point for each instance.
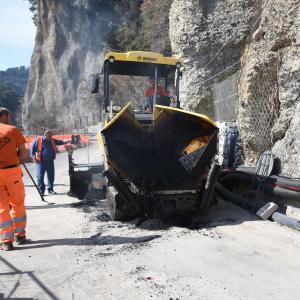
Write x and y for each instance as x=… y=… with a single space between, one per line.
x=48 y=206
x=15 y=271
x=58 y=184
x=94 y=240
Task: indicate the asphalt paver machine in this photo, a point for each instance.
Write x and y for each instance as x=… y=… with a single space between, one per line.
x=158 y=160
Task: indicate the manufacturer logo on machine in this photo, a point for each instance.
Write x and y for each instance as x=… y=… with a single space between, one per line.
x=148 y=59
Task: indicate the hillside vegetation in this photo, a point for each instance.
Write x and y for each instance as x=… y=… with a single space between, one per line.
x=141 y=24
x=144 y=26
x=13 y=84
x=12 y=101
x=15 y=78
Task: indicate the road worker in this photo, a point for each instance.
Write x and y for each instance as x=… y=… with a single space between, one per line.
x=12 y=192
x=43 y=152
x=149 y=94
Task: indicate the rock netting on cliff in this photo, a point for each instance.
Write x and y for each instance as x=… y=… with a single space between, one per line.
x=263 y=38
x=271 y=79
x=210 y=37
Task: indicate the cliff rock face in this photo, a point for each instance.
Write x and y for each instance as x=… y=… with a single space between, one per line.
x=269 y=110
x=215 y=38
x=210 y=36
x=263 y=38
x=71 y=37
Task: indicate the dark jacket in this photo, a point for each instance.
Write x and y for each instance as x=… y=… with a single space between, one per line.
x=48 y=154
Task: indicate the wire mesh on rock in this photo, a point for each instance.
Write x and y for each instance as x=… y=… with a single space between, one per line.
x=225 y=95
x=260 y=112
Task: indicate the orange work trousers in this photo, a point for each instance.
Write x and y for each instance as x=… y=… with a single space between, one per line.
x=12 y=209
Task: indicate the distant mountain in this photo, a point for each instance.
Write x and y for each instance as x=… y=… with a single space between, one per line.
x=13 y=83
x=12 y=101
x=15 y=78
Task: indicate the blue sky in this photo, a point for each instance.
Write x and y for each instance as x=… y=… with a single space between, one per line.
x=17 y=33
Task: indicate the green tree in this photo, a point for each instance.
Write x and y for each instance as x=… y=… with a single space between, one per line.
x=34 y=9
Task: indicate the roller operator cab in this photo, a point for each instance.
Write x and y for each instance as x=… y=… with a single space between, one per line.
x=158 y=157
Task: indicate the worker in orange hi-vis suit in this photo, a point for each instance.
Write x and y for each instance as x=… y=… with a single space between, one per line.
x=12 y=192
x=149 y=94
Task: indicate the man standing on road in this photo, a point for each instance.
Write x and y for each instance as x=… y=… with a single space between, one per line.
x=12 y=192
x=44 y=153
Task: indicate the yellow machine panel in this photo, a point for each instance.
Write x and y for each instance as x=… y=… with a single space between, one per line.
x=143 y=57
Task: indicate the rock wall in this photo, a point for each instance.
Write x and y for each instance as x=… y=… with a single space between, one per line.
x=263 y=37
x=215 y=38
x=210 y=37
x=70 y=41
x=269 y=110
x=72 y=38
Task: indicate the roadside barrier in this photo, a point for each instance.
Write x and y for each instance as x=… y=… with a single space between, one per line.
x=84 y=141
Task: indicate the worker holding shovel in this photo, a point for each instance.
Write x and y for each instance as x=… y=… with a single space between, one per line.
x=12 y=192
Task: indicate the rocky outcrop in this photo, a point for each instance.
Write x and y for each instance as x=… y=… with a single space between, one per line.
x=214 y=38
x=70 y=40
x=210 y=37
x=263 y=37
x=269 y=110
x=287 y=127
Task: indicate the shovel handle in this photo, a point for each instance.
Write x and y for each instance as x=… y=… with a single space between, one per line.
x=42 y=198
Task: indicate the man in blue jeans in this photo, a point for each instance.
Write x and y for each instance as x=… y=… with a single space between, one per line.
x=43 y=151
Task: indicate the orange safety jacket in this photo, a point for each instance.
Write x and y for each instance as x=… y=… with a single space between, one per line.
x=38 y=153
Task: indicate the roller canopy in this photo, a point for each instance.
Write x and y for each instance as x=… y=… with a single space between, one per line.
x=174 y=151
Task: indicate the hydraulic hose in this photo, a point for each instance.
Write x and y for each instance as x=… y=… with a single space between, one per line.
x=293 y=188
x=247 y=170
x=235 y=177
x=275 y=179
x=282 y=192
x=287 y=192
x=283 y=181
x=227 y=194
x=251 y=206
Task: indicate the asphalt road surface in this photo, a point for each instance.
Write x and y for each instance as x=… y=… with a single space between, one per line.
x=77 y=253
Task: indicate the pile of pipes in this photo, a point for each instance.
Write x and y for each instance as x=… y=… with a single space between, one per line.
x=240 y=186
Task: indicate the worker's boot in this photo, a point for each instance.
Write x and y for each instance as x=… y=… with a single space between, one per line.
x=20 y=240
x=7 y=246
x=52 y=193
